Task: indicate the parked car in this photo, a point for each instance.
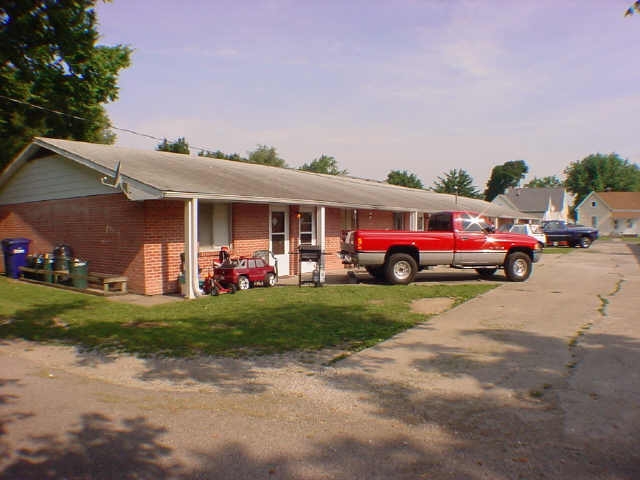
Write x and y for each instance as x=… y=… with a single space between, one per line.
x=245 y=272
x=532 y=230
x=561 y=233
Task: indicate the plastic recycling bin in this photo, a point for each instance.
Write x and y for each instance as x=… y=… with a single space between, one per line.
x=78 y=271
x=15 y=255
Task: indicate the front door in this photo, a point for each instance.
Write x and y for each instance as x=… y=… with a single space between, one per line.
x=307 y=236
x=279 y=238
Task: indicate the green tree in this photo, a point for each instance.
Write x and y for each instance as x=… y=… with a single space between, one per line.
x=457 y=182
x=544 y=182
x=601 y=173
x=404 y=179
x=220 y=154
x=266 y=156
x=179 y=146
x=504 y=176
x=49 y=58
x=323 y=164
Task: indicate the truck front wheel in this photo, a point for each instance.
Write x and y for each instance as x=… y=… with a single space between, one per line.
x=400 y=269
x=585 y=242
x=517 y=266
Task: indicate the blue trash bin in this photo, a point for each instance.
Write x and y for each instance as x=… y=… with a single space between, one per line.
x=15 y=255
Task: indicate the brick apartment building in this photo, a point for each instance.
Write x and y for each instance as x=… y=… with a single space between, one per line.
x=151 y=215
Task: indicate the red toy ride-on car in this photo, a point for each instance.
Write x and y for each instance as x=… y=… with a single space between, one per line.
x=246 y=272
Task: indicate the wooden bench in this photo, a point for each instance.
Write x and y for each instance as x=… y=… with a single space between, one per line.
x=55 y=274
x=107 y=280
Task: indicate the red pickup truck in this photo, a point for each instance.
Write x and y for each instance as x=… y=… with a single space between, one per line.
x=457 y=239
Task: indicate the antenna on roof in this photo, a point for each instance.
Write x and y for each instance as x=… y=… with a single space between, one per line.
x=117 y=182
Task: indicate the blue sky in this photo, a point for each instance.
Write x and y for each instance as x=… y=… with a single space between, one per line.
x=424 y=86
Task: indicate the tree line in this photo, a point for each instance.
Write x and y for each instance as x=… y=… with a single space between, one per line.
x=597 y=172
x=55 y=80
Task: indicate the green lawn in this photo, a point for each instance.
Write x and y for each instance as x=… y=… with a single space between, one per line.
x=257 y=321
x=557 y=250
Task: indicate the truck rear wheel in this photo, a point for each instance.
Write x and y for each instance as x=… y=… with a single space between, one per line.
x=400 y=269
x=518 y=266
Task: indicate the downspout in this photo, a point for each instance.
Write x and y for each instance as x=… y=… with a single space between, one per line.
x=192 y=287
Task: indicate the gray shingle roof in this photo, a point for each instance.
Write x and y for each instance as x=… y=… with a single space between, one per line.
x=153 y=174
x=535 y=199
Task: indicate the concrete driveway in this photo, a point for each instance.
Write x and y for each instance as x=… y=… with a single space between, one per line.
x=531 y=380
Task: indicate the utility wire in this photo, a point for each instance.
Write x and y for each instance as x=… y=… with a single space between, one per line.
x=76 y=117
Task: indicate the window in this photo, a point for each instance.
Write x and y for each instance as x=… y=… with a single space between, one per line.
x=398 y=221
x=594 y=222
x=616 y=224
x=306 y=228
x=420 y=225
x=213 y=225
x=440 y=222
x=278 y=232
x=630 y=223
x=471 y=225
x=594 y=204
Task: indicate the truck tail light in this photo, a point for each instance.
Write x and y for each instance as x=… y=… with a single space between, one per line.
x=358 y=243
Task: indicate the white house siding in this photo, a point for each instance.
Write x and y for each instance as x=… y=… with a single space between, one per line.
x=628 y=223
x=52 y=178
x=586 y=212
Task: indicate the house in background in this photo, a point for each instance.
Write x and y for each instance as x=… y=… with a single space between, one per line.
x=139 y=213
x=612 y=213
x=539 y=203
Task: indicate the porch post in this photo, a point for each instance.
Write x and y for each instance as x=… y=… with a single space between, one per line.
x=192 y=287
x=413 y=221
x=320 y=221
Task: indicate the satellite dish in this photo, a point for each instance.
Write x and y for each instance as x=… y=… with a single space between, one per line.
x=117 y=181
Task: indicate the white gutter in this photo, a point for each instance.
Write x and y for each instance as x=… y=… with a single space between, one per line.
x=287 y=201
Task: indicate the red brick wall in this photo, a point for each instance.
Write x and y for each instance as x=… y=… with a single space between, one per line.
x=375 y=219
x=105 y=230
x=163 y=244
x=250 y=228
x=333 y=231
x=144 y=240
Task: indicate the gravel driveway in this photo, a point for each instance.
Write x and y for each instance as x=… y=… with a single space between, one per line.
x=531 y=380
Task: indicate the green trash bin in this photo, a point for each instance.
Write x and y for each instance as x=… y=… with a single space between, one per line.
x=78 y=271
x=45 y=262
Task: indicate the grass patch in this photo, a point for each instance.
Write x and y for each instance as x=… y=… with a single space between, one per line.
x=557 y=250
x=626 y=239
x=257 y=321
